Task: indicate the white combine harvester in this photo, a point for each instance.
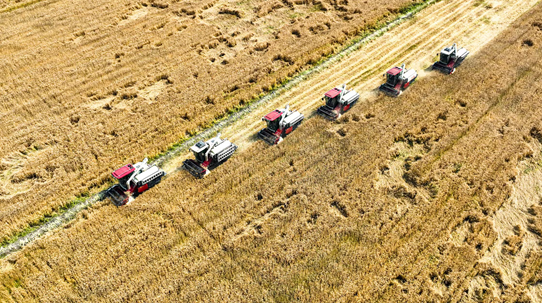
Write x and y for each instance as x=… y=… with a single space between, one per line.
x=209 y=155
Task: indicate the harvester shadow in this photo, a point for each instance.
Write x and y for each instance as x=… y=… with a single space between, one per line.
x=253 y=138
x=313 y=114
x=429 y=69
x=181 y=169
x=185 y=171
x=377 y=91
x=379 y=94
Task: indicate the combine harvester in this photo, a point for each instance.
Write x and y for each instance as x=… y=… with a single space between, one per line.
x=397 y=80
x=280 y=123
x=133 y=180
x=338 y=101
x=209 y=155
x=450 y=58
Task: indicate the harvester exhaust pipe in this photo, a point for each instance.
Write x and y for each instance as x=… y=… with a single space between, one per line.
x=286 y=110
x=136 y=172
x=342 y=91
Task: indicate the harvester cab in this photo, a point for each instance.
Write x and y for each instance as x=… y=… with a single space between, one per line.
x=133 y=180
x=280 y=123
x=209 y=154
x=450 y=58
x=338 y=101
x=397 y=80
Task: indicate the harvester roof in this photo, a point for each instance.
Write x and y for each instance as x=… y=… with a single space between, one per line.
x=333 y=93
x=198 y=147
x=123 y=171
x=447 y=50
x=394 y=71
x=272 y=116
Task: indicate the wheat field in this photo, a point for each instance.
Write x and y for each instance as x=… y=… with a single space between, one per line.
x=430 y=197
x=88 y=86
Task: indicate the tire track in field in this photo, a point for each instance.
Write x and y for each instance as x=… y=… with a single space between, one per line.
x=306 y=96
x=269 y=102
x=417 y=43
x=309 y=97
x=371 y=76
x=383 y=53
x=240 y=133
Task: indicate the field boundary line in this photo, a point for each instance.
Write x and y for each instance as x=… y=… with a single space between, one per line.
x=355 y=44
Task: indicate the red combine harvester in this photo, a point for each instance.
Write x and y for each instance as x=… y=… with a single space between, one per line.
x=280 y=123
x=209 y=155
x=450 y=58
x=338 y=101
x=397 y=80
x=133 y=180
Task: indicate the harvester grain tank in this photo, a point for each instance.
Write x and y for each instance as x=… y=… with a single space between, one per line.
x=450 y=58
x=397 y=80
x=280 y=123
x=209 y=154
x=133 y=180
x=338 y=101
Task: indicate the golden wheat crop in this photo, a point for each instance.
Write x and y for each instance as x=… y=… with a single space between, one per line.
x=87 y=86
x=406 y=199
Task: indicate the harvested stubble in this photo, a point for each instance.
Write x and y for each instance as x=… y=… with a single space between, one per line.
x=400 y=208
x=90 y=85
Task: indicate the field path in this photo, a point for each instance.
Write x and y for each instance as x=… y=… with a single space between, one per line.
x=415 y=42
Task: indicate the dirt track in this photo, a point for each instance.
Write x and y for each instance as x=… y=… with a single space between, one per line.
x=416 y=43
